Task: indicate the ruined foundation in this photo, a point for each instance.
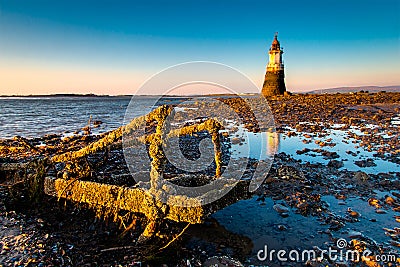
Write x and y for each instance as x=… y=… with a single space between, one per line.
x=274 y=83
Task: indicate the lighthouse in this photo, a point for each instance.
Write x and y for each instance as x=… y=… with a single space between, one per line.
x=274 y=82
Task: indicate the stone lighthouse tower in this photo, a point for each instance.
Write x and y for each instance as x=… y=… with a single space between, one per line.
x=274 y=83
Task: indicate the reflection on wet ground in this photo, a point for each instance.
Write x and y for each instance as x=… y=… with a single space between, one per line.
x=344 y=146
x=349 y=206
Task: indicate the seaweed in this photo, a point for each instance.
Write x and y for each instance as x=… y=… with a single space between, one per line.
x=110 y=201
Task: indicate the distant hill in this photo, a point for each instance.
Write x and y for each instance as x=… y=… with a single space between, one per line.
x=371 y=89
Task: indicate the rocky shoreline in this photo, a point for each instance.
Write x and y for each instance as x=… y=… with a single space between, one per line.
x=63 y=234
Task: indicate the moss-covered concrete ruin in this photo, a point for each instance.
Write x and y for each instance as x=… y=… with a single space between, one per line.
x=108 y=200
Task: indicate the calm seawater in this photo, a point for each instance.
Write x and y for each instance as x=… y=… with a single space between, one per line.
x=37 y=116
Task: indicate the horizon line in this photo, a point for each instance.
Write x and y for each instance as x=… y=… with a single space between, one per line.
x=366 y=87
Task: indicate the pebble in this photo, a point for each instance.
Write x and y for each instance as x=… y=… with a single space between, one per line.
x=235 y=141
x=365 y=163
x=342 y=264
x=390 y=201
x=339 y=196
x=335 y=164
x=353 y=213
x=396 y=194
x=282 y=227
x=361 y=176
x=380 y=211
x=374 y=202
x=280 y=208
x=395 y=243
x=355 y=234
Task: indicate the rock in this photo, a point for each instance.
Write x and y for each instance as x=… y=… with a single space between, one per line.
x=222 y=261
x=355 y=234
x=302 y=205
x=335 y=164
x=361 y=176
x=235 y=141
x=340 y=197
x=329 y=155
x=280 y=208
x=353 y=213
x=380 y=211
x=225 y=134
x=282 y=227
x=284 y=214
x=289 y=172
x=390 y=201
x=365 y=163
x=336 y=225
x=286 y=94
x=395 y=243
x=86 y=129
x=396 y=194
x=374 y=202
x=342 y=264
x=270 y=180
x=351 y=153
x=303 y=151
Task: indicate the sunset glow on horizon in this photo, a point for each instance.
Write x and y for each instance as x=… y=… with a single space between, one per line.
x=49 y=47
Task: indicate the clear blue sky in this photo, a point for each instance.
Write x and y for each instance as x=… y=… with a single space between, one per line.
x=113 y=46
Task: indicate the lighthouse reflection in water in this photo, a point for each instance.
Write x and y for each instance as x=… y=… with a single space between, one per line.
x=260 y=146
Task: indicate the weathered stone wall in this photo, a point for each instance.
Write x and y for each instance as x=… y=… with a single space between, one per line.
x=274 y=83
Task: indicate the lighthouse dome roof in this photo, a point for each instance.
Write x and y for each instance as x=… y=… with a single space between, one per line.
x=275 y=43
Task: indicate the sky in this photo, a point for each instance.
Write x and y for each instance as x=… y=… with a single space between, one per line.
x=113 y=47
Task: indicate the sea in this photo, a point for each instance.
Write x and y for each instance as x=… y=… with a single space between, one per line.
x=37 y=116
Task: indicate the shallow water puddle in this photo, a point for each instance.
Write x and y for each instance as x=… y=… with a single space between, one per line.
x=261 y=145
x=264 y=226
x=370 y=223
x=344 y=147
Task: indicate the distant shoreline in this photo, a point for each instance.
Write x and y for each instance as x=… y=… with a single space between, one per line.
x=344 y=89
x=352 y=89
x=102 y=96
x=65 y=95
